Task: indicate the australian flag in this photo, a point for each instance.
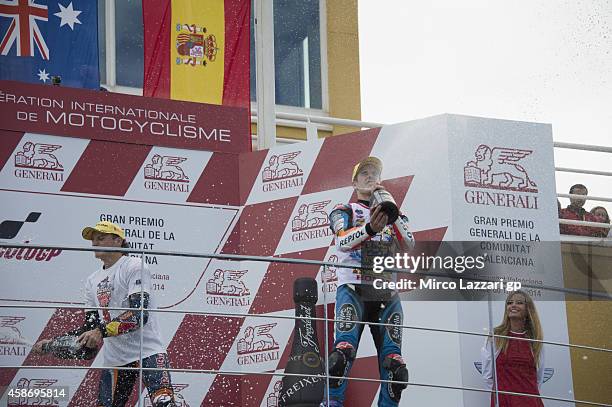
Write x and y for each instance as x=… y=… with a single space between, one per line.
x=42 y=39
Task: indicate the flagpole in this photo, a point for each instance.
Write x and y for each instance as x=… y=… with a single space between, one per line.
x=264 y=55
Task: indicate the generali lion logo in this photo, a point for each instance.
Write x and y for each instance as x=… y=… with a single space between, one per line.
x=179 y=399
x=257 y=338
x=282 y=166
x=194 y=46
x=36 y=161
x=272 y=399
x=498 y=168
x=164 y=173
x=257 y=345
x=227 y=282
x=329 y=275
x=549 y=372
x=9 y=333
x=311 y=221
x=330 y=272
x=311 y=216
x=166 y=168
x=33 y=384
x=282 y=172
x=38 y=155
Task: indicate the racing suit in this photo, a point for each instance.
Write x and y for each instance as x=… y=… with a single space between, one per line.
x=357 y=300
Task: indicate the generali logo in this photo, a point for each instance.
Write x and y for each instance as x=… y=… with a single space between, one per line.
x=32 y=384
x=329 y=275
x=282 y=172
x=257 y=345
x=164 y=173
x=500 y=169
x=549 y=372
x=12 y=341
x=272 y=399
x=311 y=221
x=179 y=399
x=227 y=288
x=36 y=161
x=332 y=274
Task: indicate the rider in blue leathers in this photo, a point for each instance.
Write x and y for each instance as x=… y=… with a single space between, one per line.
x=354 y=224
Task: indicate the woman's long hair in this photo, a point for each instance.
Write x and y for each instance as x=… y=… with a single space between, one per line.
x=533 y=327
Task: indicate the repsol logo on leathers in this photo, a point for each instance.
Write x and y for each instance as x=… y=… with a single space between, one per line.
x=351 y=237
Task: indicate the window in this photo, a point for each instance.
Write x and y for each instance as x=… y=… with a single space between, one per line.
x=129 y=37
x=297 y=50
x=102 y=42
x=297 y=54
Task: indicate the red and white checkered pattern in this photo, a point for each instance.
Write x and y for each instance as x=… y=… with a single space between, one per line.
x=280 y=197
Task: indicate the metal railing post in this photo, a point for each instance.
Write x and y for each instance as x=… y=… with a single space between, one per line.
x=326 y=337
x=142 y=266
x=493 y=349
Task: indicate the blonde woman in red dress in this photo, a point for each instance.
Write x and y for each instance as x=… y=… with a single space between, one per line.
x=519 y=363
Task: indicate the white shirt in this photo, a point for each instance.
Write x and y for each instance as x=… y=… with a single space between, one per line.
x=111 y=288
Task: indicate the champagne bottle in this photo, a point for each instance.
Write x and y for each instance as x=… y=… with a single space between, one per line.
x=305 y=357
x=68 y=347
x=387 y=204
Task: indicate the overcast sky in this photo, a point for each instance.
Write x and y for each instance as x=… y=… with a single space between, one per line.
x=548 y=61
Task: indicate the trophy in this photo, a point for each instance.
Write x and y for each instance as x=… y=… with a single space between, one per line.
x=387 y=204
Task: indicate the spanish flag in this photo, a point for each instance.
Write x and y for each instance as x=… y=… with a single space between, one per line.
x=197 y=50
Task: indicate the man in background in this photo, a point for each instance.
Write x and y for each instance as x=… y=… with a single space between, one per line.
x=576 y=211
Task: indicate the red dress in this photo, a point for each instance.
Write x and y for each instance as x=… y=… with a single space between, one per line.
x=516 y=372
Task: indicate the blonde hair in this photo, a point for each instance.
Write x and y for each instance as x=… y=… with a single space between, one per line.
x=533 y=327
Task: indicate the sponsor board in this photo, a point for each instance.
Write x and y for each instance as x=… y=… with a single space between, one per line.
x=41 y=162
x=115 y=117
x=54 y=275
x=12 y=342
x=283 y=173
x=168 y=175
x=257 y=344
